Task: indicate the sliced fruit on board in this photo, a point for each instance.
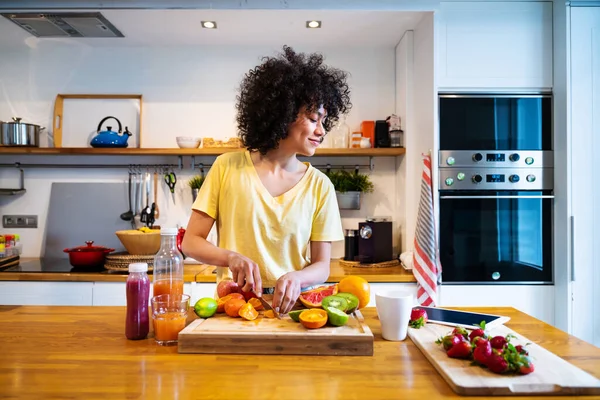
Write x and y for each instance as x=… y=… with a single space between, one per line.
x=357 y=286
x=352 y=301
x=313 y=319
x=295 y=315
x=336 y=316
x=334 y=301
x=313 y=298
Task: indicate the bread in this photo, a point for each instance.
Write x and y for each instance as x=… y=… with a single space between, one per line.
x=233 y=142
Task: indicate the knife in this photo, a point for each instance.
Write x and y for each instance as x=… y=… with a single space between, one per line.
x=267 y=306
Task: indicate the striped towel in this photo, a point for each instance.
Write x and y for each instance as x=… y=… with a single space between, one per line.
x=426 y=264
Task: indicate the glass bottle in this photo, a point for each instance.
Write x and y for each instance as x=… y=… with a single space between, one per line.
x=168 y=265
x=340 y=134
x=137 y=322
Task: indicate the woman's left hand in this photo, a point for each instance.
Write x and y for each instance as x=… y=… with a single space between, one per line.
x=287 y=291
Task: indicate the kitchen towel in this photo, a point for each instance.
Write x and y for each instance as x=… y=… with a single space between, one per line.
x=426 y=264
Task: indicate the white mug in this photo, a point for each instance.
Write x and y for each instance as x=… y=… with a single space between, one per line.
x=394 y=308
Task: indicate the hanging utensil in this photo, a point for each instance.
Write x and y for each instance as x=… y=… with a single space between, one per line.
x=128 y=215
x=146 y=210
x=171 y=180
x=156 y=213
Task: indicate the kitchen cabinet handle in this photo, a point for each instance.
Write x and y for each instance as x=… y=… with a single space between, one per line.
x=499 y=197
x=572 y=223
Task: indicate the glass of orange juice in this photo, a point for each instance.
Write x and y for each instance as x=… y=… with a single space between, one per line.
x=169 y=315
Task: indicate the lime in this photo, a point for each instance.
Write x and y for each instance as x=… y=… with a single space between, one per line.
x=295 y=315
x=352 y=301
x=336 y=302
x=206 y=307
x=336 y=317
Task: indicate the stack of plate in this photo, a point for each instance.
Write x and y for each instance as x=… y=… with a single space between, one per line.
x=120 y=261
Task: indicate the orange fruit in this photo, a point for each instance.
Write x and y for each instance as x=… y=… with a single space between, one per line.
x=232 y=307
x=256 y=304
x=269 y=314
x=358 y=287
x=222 y=300
x=248 y=312
x=313 y=318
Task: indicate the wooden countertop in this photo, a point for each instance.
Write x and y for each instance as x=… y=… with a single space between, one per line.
x=203 y=273
x=82 y=353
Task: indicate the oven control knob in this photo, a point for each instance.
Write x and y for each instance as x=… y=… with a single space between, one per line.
x=460 y=176
x=529 y=160
x=450 y=160
x=449 y=181
x=477 y=157
x=514 y=178
x=496 y=275
x=514 y=157
x=530 y=178
x=476 y=178
x=366 y=232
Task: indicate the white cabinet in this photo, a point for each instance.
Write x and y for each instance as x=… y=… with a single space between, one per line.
x=46 y=293
x=537 y=301
x=384 y=287
x=585 y=172
x=113 y=293
x=487 y=45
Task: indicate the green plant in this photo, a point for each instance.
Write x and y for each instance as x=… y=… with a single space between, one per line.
x=344 y=181
x=196 y=182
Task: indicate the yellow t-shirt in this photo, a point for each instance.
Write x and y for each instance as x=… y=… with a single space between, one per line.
x=274 y=232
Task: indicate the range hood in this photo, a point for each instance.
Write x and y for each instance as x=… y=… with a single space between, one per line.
x=74 y=24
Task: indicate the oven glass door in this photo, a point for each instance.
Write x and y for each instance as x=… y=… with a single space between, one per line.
x=496 y=237
x=495 y=123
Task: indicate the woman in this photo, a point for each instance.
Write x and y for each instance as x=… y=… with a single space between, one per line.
x=270 y=208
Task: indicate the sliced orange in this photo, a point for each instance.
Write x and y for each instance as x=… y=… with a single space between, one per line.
x=313 y=318
x=256 y=304
x=232 y=307
x=222 y=300
x=269 y=314
x=248 y=312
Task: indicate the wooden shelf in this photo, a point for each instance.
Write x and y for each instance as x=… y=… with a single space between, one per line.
x=379 y=152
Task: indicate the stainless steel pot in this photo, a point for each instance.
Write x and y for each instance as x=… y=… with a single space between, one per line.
x=17 y=133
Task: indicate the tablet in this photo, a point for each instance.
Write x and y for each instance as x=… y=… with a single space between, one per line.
x=465 y=319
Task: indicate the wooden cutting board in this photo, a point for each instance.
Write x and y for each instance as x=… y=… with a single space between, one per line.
x=552 y=374
x=225 y=335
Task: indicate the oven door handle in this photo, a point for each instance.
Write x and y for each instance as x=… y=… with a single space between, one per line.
x=499 y=197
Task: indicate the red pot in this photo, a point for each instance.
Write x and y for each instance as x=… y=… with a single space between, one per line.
x=87 y=256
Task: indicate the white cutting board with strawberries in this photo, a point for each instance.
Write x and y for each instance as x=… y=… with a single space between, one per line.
x=552 y=374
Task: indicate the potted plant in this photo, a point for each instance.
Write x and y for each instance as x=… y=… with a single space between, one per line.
x=349 y=187
x=195 y=184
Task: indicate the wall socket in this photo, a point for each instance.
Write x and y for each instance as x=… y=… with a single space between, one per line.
x=19 y=221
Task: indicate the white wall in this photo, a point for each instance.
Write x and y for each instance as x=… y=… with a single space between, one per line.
x=188 y=91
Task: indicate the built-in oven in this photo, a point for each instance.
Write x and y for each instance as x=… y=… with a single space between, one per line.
x=495 y=210
x=495 y=121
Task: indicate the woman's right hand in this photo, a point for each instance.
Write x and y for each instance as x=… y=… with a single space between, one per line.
x=245 y=273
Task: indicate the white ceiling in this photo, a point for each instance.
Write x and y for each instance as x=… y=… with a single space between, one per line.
x=242 y=27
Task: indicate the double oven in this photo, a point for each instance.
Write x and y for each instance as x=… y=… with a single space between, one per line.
x=496 y=189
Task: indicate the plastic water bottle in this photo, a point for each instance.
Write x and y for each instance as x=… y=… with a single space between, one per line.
x=168 y=265
x=137 y=322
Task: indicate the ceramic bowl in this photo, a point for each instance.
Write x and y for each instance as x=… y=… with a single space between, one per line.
x=185 y=142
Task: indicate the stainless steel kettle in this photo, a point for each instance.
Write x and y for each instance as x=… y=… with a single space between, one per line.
x=17 y=133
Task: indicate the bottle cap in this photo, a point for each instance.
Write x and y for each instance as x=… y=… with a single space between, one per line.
x=138 y=267
x=168 y=231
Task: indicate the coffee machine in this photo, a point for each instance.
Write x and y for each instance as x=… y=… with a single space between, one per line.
x=375 y=240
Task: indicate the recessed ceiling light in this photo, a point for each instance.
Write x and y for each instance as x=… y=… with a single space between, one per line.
x=209 y=24
x=313 y=24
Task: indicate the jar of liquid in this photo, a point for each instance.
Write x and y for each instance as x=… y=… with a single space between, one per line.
x=168 y=265
x=137 y=322
x=356 y=139
x=340 y=134
x=396 y=138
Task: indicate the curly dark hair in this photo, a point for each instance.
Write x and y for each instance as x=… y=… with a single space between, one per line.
x=272 y=94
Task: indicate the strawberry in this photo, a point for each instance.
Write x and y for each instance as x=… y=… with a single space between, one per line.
x=498 y=342
x=460 y=350
x=496 y=363
x=482 y=352
x=521 y=350
x=476 y=333
x=526 y=366
x=450 y=341
x=418 y=318
x=460 y=331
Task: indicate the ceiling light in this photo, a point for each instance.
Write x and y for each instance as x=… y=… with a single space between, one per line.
x=313 y=24
x=209 y=24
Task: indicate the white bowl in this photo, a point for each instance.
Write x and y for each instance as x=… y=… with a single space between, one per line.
x=188 y=142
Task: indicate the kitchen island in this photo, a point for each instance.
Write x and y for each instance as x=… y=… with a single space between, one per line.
x=82 y=353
